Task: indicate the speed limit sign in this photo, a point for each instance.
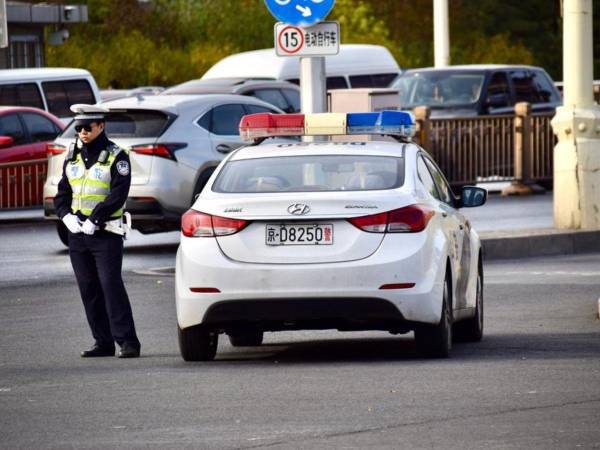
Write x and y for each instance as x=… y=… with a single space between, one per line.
x=290 y=40
x=319 y=40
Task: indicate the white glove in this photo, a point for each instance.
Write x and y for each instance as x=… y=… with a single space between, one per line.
x=72 y=223
x=88 y=227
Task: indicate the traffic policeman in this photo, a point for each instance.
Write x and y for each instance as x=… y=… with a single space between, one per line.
x=91 y=196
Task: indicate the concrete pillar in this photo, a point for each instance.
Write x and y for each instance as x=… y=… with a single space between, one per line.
x=313 y=89
x=441 y=33
x=577 y=126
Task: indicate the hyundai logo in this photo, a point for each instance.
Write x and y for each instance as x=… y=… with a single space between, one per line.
x=298 y=209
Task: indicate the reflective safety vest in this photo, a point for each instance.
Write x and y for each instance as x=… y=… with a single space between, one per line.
x=91 y=186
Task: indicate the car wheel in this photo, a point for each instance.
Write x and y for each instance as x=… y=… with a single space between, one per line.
x=435 y=341
x=471 y=330
x=63 y=232
x=247 y=339
x=197 y=343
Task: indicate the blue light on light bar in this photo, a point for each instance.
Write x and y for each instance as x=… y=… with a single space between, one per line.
x=384 y=122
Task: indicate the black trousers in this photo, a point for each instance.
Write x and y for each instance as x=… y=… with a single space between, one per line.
x=97 y=262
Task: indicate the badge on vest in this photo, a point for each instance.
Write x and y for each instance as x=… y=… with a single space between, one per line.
x=123 y=168
x=98 y=173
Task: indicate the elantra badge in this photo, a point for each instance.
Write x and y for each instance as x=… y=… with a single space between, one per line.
x=298 y=209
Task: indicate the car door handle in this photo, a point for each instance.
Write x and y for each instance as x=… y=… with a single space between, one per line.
x=223 y=148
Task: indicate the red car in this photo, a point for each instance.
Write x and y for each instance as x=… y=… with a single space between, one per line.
x=24 y=135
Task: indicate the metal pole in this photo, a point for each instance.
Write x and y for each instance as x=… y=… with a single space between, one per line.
x=577 y=126
x=578 y=54
x=313 y=87
x=441 y=33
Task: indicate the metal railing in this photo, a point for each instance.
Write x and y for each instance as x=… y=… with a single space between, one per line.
x=489 y=148
x=22 y=183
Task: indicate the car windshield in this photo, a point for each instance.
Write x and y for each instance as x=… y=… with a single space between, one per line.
x=311 y=173
x=130 y=124
x=439 y=88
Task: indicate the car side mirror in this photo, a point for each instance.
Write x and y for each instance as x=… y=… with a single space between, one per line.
x=471 y=196
x=6 y=141
x=497 y=101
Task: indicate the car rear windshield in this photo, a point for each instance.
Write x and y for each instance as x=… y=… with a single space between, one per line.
x=311 y=173
x=131 y=124
x=439 y=88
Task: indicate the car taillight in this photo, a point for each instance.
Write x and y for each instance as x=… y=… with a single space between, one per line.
x=198 y=224
x=160 y=150
x=410 y=219
x=54 y=149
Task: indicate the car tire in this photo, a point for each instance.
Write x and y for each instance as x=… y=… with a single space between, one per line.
x=197 y=343
x=471 y=330
x=435 y=341
x=246 y=339
x=63 y=233
x=202 y=179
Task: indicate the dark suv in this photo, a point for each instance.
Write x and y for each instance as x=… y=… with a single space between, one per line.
x=475 y=90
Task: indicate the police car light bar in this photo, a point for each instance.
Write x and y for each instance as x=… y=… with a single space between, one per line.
x=264 y=125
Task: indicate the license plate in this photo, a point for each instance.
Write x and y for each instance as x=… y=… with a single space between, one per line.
x=299 y=234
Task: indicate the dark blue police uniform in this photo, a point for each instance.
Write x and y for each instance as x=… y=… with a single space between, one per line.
x=97 y=258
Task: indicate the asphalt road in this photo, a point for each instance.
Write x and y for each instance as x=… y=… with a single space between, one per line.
x=533 y=382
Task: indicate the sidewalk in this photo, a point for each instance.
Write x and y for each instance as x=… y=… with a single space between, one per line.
x=510 y=227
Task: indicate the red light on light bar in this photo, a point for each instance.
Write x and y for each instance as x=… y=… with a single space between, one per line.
x=397 y=286
x=205 y=290
x=259 y=125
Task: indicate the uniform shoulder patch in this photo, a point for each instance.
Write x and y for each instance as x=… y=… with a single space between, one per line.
x=123 y=168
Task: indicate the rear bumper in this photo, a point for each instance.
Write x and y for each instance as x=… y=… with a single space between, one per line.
x=343 y=295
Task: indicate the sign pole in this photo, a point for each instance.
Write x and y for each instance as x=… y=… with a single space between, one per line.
x=313 y=87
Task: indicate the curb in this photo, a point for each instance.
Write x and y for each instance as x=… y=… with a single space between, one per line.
x=8 y=217
x=538 y=242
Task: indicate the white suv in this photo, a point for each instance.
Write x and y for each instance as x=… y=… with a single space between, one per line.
x=174 y=142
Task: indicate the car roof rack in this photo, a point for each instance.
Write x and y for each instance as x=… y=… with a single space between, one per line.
x=257 y=127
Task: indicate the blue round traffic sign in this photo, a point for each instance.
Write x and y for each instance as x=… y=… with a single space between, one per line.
x=302 y=13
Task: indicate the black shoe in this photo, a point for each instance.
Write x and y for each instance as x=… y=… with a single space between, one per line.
x=129 y=351
x=97 y=351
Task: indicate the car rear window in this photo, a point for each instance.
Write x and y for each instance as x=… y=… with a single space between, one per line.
x=131 y=124
x=311 y=173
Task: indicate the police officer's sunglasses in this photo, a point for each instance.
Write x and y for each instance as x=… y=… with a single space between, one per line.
x=87 y=128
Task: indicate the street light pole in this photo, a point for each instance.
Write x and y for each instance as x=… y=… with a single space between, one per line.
x=577 y=126
x=441 y=33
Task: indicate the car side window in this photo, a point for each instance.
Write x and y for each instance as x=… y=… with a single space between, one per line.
x=293 y=98
x=336 y=83
x=255 y=109
x=10 y=125
x=499 y=88
x=225 y=119
x=272 y=96
x=525 y=89
x=441 y=183
x=60 y=95
x=40 y=128
x=24 y=94
x=544 y=87
x=426 y=178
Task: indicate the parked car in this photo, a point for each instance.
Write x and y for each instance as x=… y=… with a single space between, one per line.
x=474 y=90
x=284 y=95
x=355 y=66
x=24 y=134
x=348 y=236
x=51 y=89
x=174 y=142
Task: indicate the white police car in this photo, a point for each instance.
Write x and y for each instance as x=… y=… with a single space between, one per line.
x=359 y=235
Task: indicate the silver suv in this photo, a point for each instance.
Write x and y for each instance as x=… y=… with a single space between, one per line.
x=174 y=142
